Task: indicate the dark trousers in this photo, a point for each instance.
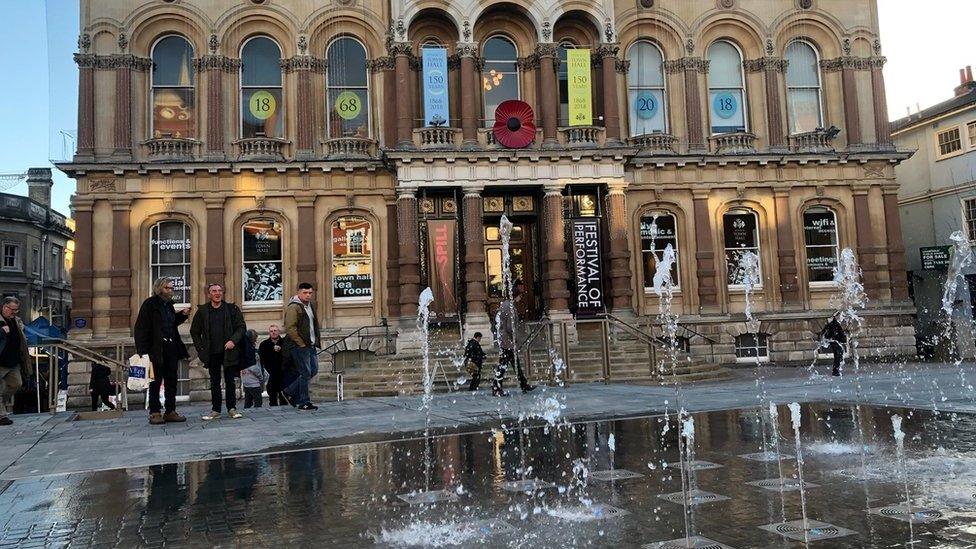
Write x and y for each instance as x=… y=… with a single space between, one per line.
x=166 y=372
x=104 y=398
x=252 y=397
x=838 y=351
x=507 y=359
x=217 y=370
x=275 y=386
x=476 y=378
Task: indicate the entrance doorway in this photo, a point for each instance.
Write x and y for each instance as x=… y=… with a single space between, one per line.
x=522 y=250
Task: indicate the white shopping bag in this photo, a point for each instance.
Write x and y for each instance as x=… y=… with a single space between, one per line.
x=140 y=373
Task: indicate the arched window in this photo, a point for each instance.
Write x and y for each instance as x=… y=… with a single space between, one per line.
x=803 y=92
x=500 y=79
x=434 y=87
x=820 y=241
x=646 y=93
x=348 y=89
x=657 y=231
x=261 y=261
x=726 y=88
x=562 y=79
x=173 y=99
x=262 y=113
x=352 y=259
x=169 y=255
x=741 y=227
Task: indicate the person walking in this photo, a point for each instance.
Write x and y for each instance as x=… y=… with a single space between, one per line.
x=253 y=376
x=270 y=355
x=15 y=363
x=101 y=386
x=302 y=331
x=474 y=358
x=155 y=334
x=506 y=319
x=217 y=331
x=834 y=338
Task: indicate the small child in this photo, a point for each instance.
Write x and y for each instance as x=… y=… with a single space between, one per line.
x=474 y=357
x=254 y=376
x=101 y=386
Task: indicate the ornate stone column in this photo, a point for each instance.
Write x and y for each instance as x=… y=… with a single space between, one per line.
x=772 y=69
x=214 y=269
x=214 y=66
x=404 y=104
x=304 y=66
x=556 y=278
x=120 y=293
x=549 y=92
x=122 y=133
x=392 y=263
x=476 y=318
x=408 y=235
x=86 y=107
x=81 y=270
x=785 y=251
x=385 y=66
x=865 y=240
x=882 y=128
x=691 y=67
x=896 y=246
x=705 y=254
x=620 y=274
x=306 y=240
x=468 y=52
x=611 y=111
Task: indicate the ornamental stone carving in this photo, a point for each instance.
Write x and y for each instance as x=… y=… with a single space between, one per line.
x=112 y=62
x=101 y=185
x=689 y=47
x=213 y=43
x=770 y=49
x=804 y=4
x=123 y=41
x=378 y=64
x=606 y=49
x=302 y=44
x=622 y=66
x=84 y=42
x=847 y=46
x=546 y=31
x=772 y=64
x=546 y=49
x=608 y=31
x=305 y=63
x=217 y=62
x=696 y=64
x=646 y=4
x=400 y=48
x=467 y=49
x=726 y=4
x=401 y=30
x=852 y=62
x=466 y=31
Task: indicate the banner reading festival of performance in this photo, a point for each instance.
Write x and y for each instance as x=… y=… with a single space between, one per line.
x=580 y=90
x=435 y=85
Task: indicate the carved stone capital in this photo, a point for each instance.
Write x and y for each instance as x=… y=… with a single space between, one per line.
x=852 y=62
x=217 y=63
x=766 y=64
x=467 y=49
x=305 y=63
x=606 y=49
x=529 y=62
x=546 y=49
x=85 y=60
x=453 y=62
x=381 y=64
x=114 y=61
x=623 y=66
x=696 y=64
x=397 y=49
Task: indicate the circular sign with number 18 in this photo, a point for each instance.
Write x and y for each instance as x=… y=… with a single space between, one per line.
x=262 y=105
x=725 y=105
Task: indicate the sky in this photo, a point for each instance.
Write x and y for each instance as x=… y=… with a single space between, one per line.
x=926 y=44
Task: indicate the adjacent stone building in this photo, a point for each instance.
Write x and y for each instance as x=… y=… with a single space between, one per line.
x=36 y=250
x=261 y=143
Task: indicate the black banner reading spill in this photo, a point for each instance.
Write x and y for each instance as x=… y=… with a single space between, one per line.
x=588 y=267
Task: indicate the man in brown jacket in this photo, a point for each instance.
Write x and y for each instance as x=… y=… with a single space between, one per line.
x=300 y=343
x=15 y=364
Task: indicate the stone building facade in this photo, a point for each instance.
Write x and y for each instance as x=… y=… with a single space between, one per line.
x=261 y=143
x=36 y=251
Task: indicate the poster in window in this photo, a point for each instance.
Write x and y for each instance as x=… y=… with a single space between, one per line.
x=352 y=259
x=262 y=281
x=657 y=232
x=441 y=244
x=820 y=236
x=262 y=240
x=588 y=267
x=740 y=231
x=262 y=277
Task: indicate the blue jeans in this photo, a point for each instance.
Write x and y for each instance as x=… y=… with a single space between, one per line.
x=308 y=366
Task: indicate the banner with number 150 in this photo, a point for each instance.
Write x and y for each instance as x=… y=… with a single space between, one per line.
x=580 y=91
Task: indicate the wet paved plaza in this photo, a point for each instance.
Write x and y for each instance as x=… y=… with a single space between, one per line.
x=599 y=483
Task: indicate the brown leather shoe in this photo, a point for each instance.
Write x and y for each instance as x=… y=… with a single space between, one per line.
x=174 y=417
x=156 y=419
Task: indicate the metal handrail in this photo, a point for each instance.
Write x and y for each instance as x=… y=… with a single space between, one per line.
x=361 y=332
x=645 y=338
x=119 y=367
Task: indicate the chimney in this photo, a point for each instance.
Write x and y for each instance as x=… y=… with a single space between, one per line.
x=966 y=83
x=39 y=183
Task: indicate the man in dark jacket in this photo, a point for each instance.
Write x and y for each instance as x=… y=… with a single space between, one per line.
x=156 y=335
x=218 y=332
x=15 y=363
x=474 y=355
x=302 y=329
x=506 y=321
x=834 y=338
x=270 y=353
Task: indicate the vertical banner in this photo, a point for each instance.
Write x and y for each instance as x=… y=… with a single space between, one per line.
x=435 y=86
x=580 y=88
x=443 y=252
x=588 y=267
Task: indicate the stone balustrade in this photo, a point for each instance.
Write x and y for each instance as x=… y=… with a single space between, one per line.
x=581 y=136
x=817 y=141
x=350 y=147
x=171 y=149
x=266 y=149
x=654 y=143
x=733 y=143
x=436 y=137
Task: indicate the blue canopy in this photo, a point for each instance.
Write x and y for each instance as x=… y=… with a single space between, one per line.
x=41 y=329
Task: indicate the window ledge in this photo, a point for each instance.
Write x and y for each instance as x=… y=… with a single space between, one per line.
x=650 y=291
x=262 y=306
x=751 y=360
x=740 y=289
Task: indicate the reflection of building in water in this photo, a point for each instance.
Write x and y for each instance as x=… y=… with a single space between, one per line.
x=281 y=143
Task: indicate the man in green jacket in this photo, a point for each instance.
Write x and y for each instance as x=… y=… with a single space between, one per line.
x=218 y=330
x=15 y=363
x=302 y=331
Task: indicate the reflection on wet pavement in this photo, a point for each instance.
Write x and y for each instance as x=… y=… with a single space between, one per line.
x=347 y=496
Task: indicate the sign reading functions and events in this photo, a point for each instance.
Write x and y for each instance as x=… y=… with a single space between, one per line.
x=580 y=89
x=588 y=267
x=262 y=105
x=436 y=104
x=936 y=258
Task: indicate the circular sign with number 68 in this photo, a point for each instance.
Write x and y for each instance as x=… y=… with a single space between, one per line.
x=262 y=105
x=348 y=105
